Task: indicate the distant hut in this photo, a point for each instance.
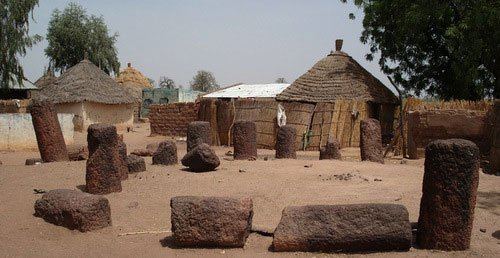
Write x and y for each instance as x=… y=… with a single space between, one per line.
x=25 y=90
x=92 y=96
x=136 y=82
x=47 y=79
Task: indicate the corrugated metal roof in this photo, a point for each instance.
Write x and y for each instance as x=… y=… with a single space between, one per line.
x=249 y=91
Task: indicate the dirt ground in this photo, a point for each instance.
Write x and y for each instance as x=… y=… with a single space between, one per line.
x=143 y=205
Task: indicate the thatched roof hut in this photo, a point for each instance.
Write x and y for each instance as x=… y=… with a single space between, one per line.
x=133 y=78
x=337 y=77
x=46 y=79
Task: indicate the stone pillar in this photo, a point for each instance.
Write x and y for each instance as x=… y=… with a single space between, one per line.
x=105 y=166
x=371 y=141
x=495 y=141
x=198 y=133
x=245 y=140
x=331 y=150
x=449 y=195
x=48 y=131
x=166 y=154
x=412 y=146
x=285 y=142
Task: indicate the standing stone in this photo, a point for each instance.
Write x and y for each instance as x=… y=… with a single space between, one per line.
x=105 y=166
x=201 y=159
x=371 y=141
x=285 y=142
x=331 y=150
x=48 y=131
x=198 y=133
x=210 y=221
x=343 y=228
x=449 y=195
x=78 y=152
x=495 y=141
x=135 y=164
x=74 y=210
x=245 y=140
x=166 y=154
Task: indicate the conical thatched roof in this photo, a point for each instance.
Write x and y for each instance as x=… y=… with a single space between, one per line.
x=86 y=82
x=337 y=76
x=133 y=77
x=45 y=80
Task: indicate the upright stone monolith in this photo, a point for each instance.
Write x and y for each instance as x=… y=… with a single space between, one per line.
x=105 y=166
x=198 y=133
x=331 y=150
x=285 y=142
x=166 y=154
x=495 y=141
x=449 y=195
x=371 y=141
x=48 y=131
x=245 y=140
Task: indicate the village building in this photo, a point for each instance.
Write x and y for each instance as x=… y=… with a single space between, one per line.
x=136 y=82
x=25 y=90
x=92 y=96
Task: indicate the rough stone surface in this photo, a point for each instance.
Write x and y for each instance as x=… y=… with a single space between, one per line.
x=48 y=131
x=152 y=147
x=122 y=150
x=201 y=159
x=285 y=142
x=198 y=133
x=141 y=152
x=245 y=140
x=343 y=228
x=33 y=161
x=135 y=164
x=211 y=221
x=449 y=195
x=166 y=154
x=74 y=210
x=495 y=141
x=105 y=166
x=331 y=150
x=78 y=152
x=371 y=141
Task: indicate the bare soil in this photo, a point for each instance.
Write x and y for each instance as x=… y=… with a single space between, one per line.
x=142 y=208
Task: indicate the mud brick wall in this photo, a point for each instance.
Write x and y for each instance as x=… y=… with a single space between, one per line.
x=172 y=119
x=427 y=126
x=13 y=106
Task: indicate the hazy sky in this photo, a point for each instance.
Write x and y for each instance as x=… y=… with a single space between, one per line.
x=250 y=41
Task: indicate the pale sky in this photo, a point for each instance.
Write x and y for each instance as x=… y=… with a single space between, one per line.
x=249 y=41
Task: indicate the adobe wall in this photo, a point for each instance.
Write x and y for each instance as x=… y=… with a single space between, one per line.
x=14 y=106
x=427 y=126
x=172 y=119
x=17 y=132
x=120 y=115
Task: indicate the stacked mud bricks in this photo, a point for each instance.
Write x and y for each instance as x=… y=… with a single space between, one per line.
x=172 y=119
x=105 y=166
x=48 y=131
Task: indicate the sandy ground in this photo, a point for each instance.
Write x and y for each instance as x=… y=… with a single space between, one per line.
x=143 y=205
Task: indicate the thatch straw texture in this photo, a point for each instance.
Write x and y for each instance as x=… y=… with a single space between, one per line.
x=133 y=77
x=337 y=77
x=86 y=82
x=45 y=80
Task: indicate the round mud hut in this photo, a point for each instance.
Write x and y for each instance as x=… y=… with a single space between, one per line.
x=92 y=96
x=135 y=81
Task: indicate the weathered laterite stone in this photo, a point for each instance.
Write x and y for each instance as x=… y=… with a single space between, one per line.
x=285 y=142
x=449 y=195
x=78 y=152
x=33 y=161
x=74 y=210
x=343 y=228
x=198 y=133
x=135 y=164
x=201 y=159
x=166 y=154
x=371 y=141
x=48 y=131
x=245 y=140
x=105 y=166
x=495 y=141
x=331 y=150
x=210 y=221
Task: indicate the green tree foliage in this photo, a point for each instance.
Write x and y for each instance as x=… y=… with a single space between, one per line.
x=72 y=34
x=446 y=48
x=204 y=81
x=14 y=39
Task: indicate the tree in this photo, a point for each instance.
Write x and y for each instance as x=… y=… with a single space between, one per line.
x=281 y=80
x=166 y=83
x=204 y=81
x=72 y=34
x=15 y=39
x=446 y=48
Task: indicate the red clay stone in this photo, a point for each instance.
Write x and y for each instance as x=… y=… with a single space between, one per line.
x=166 y=154
x=331 y=150
x=198 y=133
x=201 y=159
x=245 y=140
x=449 y=195
x=371 y=141
x=48 y=131
x=285 y=142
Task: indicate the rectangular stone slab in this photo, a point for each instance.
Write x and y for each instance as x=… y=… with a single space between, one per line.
x=343 y=228
x=211 y=221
